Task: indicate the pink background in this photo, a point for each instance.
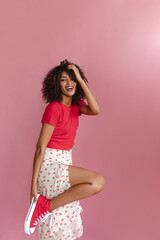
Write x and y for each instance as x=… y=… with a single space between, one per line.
x=117 y=44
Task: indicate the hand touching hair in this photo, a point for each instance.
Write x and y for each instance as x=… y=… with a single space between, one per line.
x=51 y=84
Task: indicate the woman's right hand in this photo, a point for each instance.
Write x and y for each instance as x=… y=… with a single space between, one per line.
x=33 y=192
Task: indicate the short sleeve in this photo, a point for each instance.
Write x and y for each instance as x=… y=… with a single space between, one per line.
x=51 y=114
x=80 y=105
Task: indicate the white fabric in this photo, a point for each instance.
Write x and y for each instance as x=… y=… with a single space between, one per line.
x=65 y=222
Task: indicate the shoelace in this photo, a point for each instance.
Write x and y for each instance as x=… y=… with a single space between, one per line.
x=43 y=218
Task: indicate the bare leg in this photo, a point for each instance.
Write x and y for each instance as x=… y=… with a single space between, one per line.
x=84 y=183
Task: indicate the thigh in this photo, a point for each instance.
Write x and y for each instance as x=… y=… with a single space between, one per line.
x=79 y=175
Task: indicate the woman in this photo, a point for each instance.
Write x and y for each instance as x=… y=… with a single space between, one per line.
x=57 y=185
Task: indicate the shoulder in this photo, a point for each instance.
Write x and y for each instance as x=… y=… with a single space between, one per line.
x=81 y=103
x=52 y=107
x=54 y=104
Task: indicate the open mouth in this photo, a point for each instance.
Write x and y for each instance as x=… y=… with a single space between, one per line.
x=69 y=89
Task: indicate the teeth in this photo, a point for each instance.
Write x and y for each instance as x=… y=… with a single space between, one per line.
x=69 y=87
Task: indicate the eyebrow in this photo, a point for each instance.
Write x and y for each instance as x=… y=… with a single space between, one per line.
x=63 y=77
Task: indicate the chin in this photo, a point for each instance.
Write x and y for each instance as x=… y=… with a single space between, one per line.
x=69 y=94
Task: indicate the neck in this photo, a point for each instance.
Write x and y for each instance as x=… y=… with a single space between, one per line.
x=66 y=100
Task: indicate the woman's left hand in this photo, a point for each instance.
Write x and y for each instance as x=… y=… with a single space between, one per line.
x=76 y=71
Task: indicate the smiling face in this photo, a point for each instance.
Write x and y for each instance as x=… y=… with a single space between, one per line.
x=67 y=85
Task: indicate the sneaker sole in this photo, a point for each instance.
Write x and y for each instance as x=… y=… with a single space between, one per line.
x=27 y=222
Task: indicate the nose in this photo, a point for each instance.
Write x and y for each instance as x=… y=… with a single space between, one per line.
x=69 y=81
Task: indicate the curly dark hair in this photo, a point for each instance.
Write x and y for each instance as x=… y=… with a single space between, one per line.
x=51 y=90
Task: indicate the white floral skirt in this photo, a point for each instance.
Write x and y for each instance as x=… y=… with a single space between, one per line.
x=65 y=222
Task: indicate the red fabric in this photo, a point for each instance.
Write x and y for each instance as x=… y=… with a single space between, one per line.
x=65 y=120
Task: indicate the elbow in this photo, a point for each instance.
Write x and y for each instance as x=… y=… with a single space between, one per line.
x=97 y=112
x=40 y=147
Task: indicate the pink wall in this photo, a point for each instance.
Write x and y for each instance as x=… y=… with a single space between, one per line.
x=117 y=43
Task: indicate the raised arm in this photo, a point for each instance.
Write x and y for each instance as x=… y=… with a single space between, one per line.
x=93 y=107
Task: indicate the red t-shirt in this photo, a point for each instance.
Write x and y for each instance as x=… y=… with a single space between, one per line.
x=65 y=120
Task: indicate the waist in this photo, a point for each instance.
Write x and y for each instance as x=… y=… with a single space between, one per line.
x=58 y=151
x=68 y=149
x=66 y=145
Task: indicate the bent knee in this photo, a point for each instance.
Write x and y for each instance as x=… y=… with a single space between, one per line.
x=98 y=182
